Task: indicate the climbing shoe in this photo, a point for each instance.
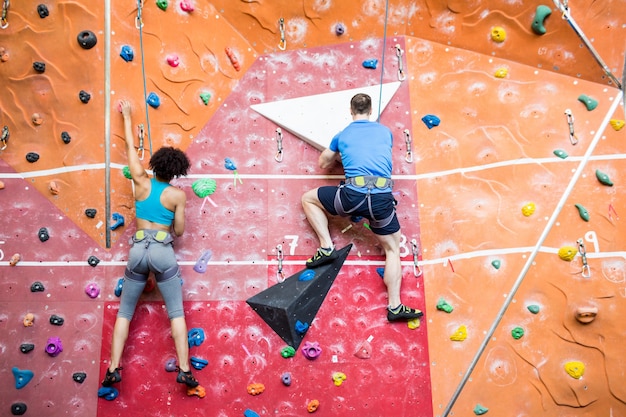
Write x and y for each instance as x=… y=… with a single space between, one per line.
x=187 y=379
x=321 y=257
x=112 y=377
x=403 y=313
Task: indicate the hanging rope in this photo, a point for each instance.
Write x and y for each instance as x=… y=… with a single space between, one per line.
x=139 y=26
x=382 y=64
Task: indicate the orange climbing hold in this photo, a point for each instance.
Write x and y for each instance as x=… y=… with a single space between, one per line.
x=15 y=259
x=256 y=388
x=29 y=320
x=233 y=58
x=53 y=187
x=313 y=406
x=198 y=391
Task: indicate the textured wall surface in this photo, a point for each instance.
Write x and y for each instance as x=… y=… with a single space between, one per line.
x=501 y=107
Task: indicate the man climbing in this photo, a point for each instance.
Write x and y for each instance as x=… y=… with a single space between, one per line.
x=364 y=148
x=159 y=208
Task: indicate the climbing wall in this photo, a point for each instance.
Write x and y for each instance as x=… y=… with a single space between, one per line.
x=508 y=160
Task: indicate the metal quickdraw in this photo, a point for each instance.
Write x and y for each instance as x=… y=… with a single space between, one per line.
x=570 y=122
x=401 y=74
x=417 y=271
x=279 y=145
x=4 y=22
x=138 y=20
x=281 y=26
x=409 y=151
x=586 y=272
x=140 y=134
x=4 y=138
x=280 y=275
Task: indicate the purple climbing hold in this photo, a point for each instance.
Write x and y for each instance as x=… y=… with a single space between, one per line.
x=170 y=365
x=54 y=346
x=431 y=121
x=201 y=263
x=370 y=63
x=311 y=350
x=92 y=290
x=286 y=378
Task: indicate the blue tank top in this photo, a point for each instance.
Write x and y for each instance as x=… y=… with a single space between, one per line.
x=151 y=208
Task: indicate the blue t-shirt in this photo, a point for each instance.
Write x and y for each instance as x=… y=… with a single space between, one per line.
x=151 y=208
x=365 y=149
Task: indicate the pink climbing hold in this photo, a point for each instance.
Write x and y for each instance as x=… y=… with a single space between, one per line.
x=186 y=6
x=172 y=60
x=311 y=350
x=92 y=290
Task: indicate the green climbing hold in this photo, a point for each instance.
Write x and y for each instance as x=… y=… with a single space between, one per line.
x=560 y=153
x=479 y=410
x=589 y=102
x=517 y=333
x=533 y=308
x=205 y=97
x=287 y=352
x=496 y=263
x=126 y=172
x=442 y=305
x=584 y=214
x=603 y=178
x=204 y=187
x=162 y=4
x=541 y=14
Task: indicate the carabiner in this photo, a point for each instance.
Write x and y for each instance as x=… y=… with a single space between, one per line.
x=417 y=271
x=279 y=145
x=5 y=137
x=586 y=272
x=570 y=122
x=409 y=151
x=138 y=19
x=399 y=52
x=280 y=275
x=140 y=149
x=4 y=22
x=281 y=27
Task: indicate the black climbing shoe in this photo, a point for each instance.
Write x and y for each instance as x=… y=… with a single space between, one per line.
x=187 y=379
x=112 y=377
x=403 y=313
x=321 y=257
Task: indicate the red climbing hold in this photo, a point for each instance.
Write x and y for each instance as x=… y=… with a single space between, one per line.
x=233 y=58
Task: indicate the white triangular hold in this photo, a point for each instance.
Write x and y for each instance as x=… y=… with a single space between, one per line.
x=316 y=119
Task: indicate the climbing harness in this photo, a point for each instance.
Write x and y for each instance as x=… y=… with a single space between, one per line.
x=399 y=53
x=417 y=271
x=147 y=238
x=586 y=273
x=4 y=22
x=280 y=275
x=565 y=14
x=407 y=141
x=281 y=27
x=140 y=134
x=369 y=182
x=279 y=145
x=4 y=138
x=570 y=122
x=139 y=26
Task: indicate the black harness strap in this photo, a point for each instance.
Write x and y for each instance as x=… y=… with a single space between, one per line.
x=368 y=182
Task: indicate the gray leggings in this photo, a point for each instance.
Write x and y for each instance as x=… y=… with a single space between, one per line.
x=146 y=255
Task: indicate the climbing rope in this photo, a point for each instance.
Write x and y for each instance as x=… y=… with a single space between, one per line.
x=107 y=121
x=139 y=26
x=382 y=63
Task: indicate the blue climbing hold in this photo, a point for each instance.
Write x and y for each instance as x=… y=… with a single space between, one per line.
x=195 y=337
x=370 y=63
x=22 y=377
x=229 y=164
x=118 y=219
x=198 y=363
x=306 y=275
x=118 y=287
x=250 y=413
x=108 y=393
x=431 y=121
x=300 y=327
x=381 y=272
x=127 y=53
x=153 y=100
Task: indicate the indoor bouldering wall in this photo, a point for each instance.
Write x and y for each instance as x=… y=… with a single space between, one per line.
x=508 y=169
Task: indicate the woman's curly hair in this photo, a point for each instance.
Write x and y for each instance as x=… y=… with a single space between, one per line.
x=168 y=163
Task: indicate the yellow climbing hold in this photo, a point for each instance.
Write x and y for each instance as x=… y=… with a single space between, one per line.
x=338 y=378
x=501 y=72
x=617 y=124
x=528 y=209
x=413 y=324
x=498 y=34
x=567 y=253
x=575 y=369
x=460 y=334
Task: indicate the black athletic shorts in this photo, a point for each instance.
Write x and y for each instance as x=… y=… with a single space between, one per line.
x=383 y=204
